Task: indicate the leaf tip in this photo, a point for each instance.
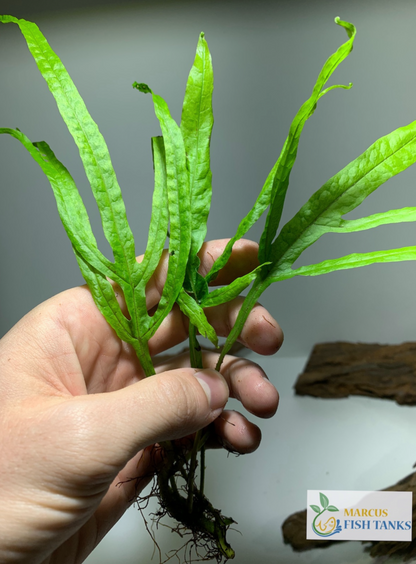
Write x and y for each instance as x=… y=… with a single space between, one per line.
x=349 y=27
x=142 y=87
x=8 y=19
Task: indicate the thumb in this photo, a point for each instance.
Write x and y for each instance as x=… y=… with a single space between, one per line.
x=166 y=406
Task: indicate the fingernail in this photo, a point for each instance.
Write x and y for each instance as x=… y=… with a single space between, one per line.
x=214 y=387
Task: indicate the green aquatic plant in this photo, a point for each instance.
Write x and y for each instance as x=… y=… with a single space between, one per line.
x=181 y=202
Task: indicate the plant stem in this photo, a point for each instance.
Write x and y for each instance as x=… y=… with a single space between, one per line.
x=142 y=351
x=192 y=470
x=194 y=348
x=202 y=471
x=249 y=302
x=196 y=362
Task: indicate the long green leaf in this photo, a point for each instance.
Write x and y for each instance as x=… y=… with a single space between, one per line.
x=196 y=127
x=159 y=221
x=177 y=181
x=157 y=232
x=288 y=157
x=354 y=260
x=71 y=209
x=403 y=215
x=274 y=190
x=323 y=212
x=92 y=147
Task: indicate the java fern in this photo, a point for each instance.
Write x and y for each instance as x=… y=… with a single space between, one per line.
x=181 y=202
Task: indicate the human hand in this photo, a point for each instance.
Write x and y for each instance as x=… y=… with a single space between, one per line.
x=76 y=413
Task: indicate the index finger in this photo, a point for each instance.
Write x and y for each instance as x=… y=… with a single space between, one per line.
x=243 y=260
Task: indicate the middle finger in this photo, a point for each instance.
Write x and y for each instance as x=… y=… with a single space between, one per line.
x=246 y=380
x=261 y=332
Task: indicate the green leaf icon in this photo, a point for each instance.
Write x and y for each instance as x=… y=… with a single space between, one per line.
x=324 y=500
x=315 y=508
x=332 y=508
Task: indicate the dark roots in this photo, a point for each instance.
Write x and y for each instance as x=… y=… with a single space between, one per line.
x=179 y=498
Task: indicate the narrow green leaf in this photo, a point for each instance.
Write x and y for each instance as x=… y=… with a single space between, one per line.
x=402 y=215
x=334 y=87
x=316 y=508
x=354 y=260
x=324 y=500
x=196 y=316
x=179 y=207
x=92 y=147
x=332 y=508
x=228 y=293
x=159 y=220
x=71 y=209
x=288 y=156
x=274 y=190
x=196 y=127
x=158 y=229
x=323 y=212
x=105 y=299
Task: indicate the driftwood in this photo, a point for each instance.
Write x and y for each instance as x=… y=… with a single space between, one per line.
x=294 y=530
x=338 y=370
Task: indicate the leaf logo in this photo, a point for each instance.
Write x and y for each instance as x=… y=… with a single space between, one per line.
x=325 y=526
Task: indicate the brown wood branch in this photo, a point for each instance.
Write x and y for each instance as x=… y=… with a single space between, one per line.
x=340 y=369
